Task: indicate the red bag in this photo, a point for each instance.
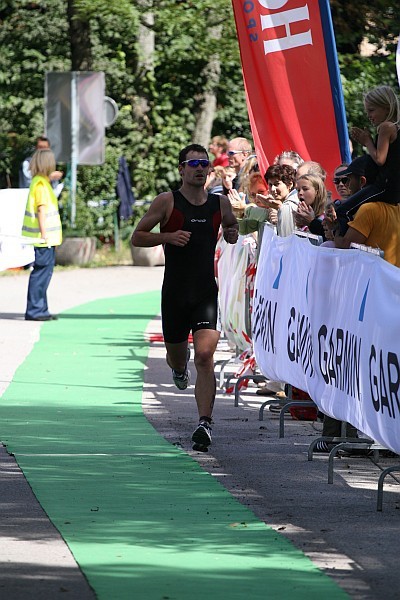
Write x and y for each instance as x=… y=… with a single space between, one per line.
x=302 y=413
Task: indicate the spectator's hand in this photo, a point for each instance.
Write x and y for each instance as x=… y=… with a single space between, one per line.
x=304 y=215
x=273 y=216
x=45 y=239
x=362 y=136
x=179 y=238
x=330 y=215
x=237 y=200
x=56 y=175
x=267 y=201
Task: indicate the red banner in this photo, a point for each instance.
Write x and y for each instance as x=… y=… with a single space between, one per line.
x=292 y=82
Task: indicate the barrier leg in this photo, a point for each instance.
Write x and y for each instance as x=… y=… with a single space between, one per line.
x=228 y=380
x=237 y=388
x=264 y=405
x=332 y=455
x=365 y=445
x=255 y=378
x=267 y=403
x=380 y=485
x=223 y=364
x=274 y=401
x=285 y=409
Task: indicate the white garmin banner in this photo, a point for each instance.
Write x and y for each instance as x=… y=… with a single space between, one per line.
x=233 y=297
x=328 y=322
x=13 y=252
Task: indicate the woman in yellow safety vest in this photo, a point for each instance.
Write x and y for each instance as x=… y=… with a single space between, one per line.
x=42 y=222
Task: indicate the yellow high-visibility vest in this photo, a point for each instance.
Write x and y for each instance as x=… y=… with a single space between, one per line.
x=41 y=188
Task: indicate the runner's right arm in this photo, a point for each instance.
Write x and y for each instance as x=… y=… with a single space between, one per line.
x=144 y=237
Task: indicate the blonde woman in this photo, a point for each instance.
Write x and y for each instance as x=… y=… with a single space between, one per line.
x=42 y=223
x=312 y=195
x=382 y=108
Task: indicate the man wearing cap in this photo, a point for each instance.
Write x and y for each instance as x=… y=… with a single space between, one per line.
x=375 y=224
x=355 y=176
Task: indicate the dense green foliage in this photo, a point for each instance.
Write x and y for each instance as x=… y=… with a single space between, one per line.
x=159 y=94
x=377 y=21
x=35 y=38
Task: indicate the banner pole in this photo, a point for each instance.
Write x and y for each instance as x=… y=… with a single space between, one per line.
x=74 y=145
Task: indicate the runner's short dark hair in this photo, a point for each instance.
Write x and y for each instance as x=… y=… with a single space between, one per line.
x=191 y=148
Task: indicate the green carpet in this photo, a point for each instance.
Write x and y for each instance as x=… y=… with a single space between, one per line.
x=142 y=519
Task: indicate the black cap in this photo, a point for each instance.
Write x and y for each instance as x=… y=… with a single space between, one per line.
x=356 y=167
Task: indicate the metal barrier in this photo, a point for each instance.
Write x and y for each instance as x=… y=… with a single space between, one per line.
x=315 y=240
x=340 y=443
x=368 y=249
x=380 y=485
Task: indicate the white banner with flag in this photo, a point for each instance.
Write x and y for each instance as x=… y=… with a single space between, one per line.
x=327 y=321
x=233 y=293
x=15 y=251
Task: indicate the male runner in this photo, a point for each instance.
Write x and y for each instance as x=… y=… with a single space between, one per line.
x=189 y=220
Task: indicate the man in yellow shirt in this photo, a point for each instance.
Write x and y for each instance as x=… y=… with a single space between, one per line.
x=375 y=224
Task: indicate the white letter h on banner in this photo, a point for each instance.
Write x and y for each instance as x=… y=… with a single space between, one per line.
x=285 y=19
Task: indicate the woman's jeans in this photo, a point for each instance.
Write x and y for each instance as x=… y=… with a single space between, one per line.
x=39 y=281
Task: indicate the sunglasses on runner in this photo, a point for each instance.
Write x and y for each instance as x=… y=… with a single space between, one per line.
x=195 y=162
x=344 y=180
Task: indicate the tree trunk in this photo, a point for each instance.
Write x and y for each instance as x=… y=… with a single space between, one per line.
x=206 y=113
x=81 y=48
x=208 y=99
x=145 y=66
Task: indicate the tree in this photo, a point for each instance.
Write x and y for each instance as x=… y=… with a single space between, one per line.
x=377 y=21
x=172 y=67
x=33 y=40
x=79 y=38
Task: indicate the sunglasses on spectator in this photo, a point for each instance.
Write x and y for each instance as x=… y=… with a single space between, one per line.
x=344 y=180
x=195 y=162
x=233 y=152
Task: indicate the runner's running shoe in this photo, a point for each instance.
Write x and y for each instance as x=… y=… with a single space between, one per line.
x=182 y=380
x=201 y=437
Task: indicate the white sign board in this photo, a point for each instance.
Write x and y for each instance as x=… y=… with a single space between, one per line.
x=13 y=252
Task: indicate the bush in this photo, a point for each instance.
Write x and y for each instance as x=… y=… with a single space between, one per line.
x=96 y=200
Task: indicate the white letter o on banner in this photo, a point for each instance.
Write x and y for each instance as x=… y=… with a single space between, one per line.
x=272 y=4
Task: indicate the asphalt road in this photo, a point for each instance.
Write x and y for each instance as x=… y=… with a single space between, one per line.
x=337 y=525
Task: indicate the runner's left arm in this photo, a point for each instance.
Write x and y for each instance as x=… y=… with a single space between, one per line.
x=229 y=223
